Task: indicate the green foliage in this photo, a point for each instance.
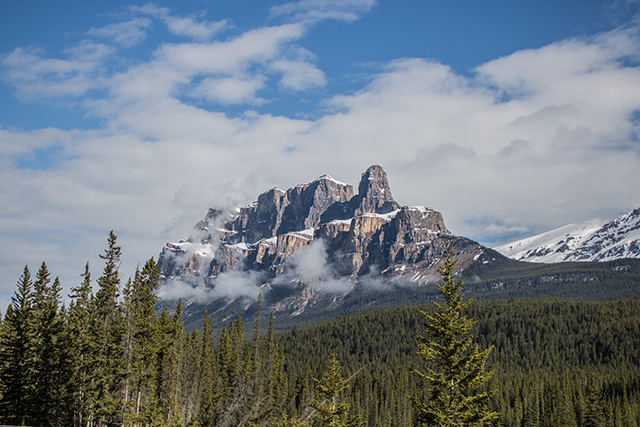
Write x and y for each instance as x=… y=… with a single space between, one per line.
x=111 y=360
x=108 y=334
x=544 y=352
x=17 y=355
x=331 y=411
x=455 y=368
x=82 y=350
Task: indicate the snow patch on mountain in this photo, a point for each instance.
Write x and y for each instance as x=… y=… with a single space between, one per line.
x=585 y=241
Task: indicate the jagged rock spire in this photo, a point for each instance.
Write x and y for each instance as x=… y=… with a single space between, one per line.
x=374 y=193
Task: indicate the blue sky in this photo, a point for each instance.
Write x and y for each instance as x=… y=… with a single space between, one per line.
x=509 y=117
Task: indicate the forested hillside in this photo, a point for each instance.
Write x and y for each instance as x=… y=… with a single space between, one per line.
x=108 y=358
x=555 y=361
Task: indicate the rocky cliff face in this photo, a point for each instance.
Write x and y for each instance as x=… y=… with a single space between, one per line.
x=317 y=233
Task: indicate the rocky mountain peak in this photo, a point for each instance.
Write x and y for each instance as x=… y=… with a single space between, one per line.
x=374 y=193
x=318 y=234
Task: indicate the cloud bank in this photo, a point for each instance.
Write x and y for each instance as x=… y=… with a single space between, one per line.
x=523 y=143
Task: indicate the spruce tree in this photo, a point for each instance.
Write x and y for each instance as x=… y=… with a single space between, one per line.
x=207 y=390
x=17 y=356
x=109 y=334
x=142 y=345
x=167 y=372
x=50 y=362
x=594 y=414
x=455 y=367
x=331 y=410
x=83 y=348
x=48 y=353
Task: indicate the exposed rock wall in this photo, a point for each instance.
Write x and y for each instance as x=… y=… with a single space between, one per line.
x=361 y=232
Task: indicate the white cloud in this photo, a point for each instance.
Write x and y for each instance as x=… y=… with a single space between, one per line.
x=310 y=264
x=317 y=10
x=234 y=284
x=198 y=30
x=127 y=33
x=299 y=75
x=534 y=140
x=190 y=26
x=254 y=46
x=35 y=77
x=229 y=90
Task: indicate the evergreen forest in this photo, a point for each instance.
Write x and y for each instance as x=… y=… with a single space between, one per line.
x=110 y=357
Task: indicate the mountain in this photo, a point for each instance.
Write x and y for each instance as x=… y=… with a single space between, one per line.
x=311 y=243
x=595 y=241
x=319 y=250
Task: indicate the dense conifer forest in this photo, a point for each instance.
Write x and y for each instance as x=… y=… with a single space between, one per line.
x=108 y=358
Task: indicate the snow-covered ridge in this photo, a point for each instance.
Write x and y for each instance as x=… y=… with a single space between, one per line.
x=387 y=217
x=586 y=241
x=324 y=177
x=329 y=178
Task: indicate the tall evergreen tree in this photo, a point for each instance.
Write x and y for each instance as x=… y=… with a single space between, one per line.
x=594 y=415
x=50 y=357
x=143 y=332
x=208 y=405
x=167 y=372
x=17 y=355
x=455 y=367
x=331 y=410
x=83 y=349
x=108 y=334
x=50 y=368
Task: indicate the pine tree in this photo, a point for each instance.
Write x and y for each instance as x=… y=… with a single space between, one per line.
x=455 y=368
x=331 y=410
x=17 y=356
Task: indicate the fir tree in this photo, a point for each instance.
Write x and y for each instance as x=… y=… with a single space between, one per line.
x=456 y=368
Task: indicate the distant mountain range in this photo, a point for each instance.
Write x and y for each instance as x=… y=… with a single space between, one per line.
x=593 y=241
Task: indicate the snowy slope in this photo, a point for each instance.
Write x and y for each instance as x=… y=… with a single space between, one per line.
x=593 y=241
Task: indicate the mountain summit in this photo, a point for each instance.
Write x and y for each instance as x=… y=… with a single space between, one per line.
x=595 y=241
x=312 y=240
